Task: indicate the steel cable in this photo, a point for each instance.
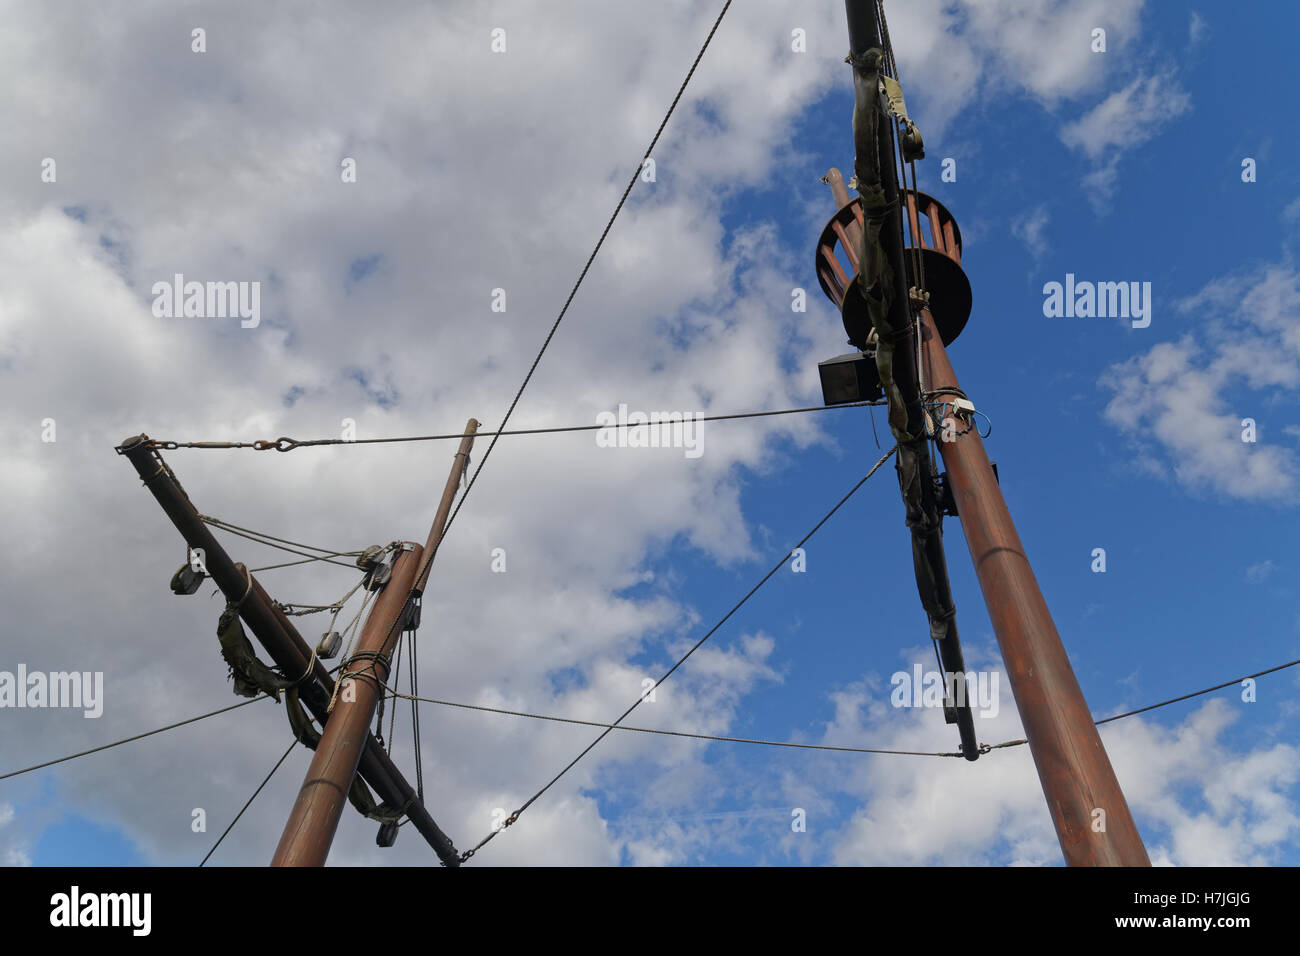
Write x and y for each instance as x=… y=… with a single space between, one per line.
x=682 y=660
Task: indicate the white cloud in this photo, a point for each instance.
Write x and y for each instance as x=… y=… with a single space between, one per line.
x=1192 y=395
x=1197 y=801
x=1260 y=571
x=1210 y=806
x=955 y=56
x=13 y=851
x=1128 y=117
x=475 y=171
x=1029 y=229
x=959 y=53
x=1121 y=122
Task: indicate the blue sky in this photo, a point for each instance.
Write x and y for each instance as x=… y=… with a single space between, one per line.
x=1117 y=166
x=1194 y=590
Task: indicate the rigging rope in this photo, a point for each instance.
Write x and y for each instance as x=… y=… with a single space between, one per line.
x=1005 y=744
x=249 y=802
x=1166 y=703
x=590 y=259
x=668 y=733
x=698 y=644
x=271 y=541
x=227 y=526
x=289 y=444
x=127 y=740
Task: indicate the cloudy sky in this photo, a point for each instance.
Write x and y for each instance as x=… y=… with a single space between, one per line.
x=481 y=169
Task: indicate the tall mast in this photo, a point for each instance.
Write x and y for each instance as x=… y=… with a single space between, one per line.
x=900 y=291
